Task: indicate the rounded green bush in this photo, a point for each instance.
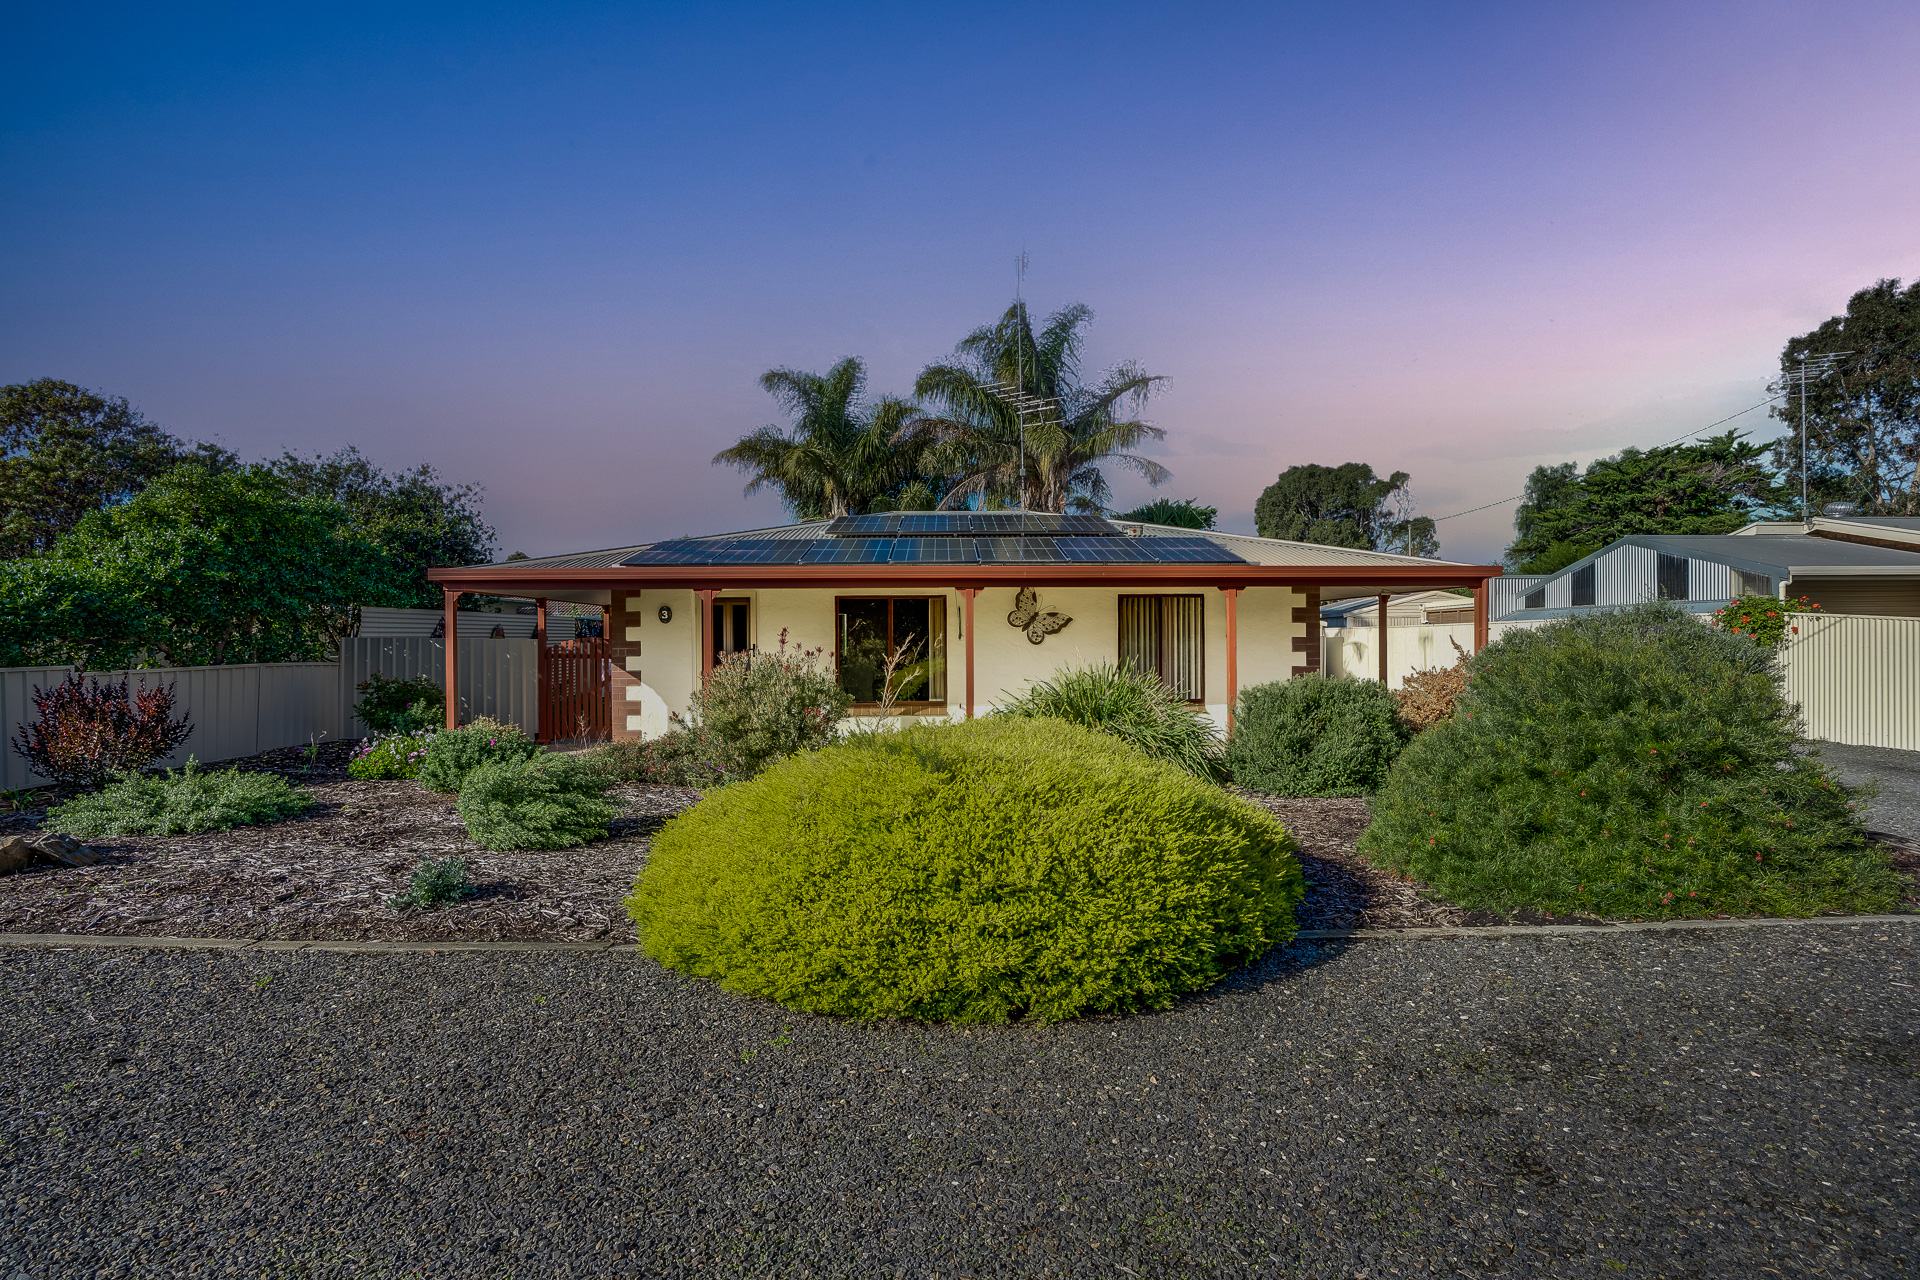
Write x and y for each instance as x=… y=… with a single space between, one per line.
x=539 y=802
x=1312 y=736
x=1626 y=764
x=1002 y=868
x=451 y=755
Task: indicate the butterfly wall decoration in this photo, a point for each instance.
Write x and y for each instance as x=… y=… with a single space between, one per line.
x=1038 y=623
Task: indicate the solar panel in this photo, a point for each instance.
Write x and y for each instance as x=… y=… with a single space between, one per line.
x=932 y=550
x=849 y=551
x=1106 y=550
x=1189 y=551
x=1087 y=527
x=862 y=526
x=931 y=522
x=720 y=551
x=1017 y=551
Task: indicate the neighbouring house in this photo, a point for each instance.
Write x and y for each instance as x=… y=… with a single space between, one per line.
x=980 y=604
x=1847 y=566
x=1414 y=609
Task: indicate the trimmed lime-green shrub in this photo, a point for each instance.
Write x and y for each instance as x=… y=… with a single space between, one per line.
x=681 y=757
x=758 y=707
x=395 y=756
x=1003 y=868
x=536 y=802
x=181 y=802
x=453 y=754
x=1132 y=706
x=1314 y=736
x=1626 y=764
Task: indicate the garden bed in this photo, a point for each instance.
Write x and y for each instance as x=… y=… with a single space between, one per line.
x=329 y=873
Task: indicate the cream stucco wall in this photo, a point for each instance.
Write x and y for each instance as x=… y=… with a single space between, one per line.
x=657 y=665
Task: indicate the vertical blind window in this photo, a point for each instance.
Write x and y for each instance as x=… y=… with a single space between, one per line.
x=1163 y=636
x=1672 y=577
x=1583 y=584
x=911 y=631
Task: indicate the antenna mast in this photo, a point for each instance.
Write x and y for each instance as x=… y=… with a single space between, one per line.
x=1809 y=371
x=1020 y=362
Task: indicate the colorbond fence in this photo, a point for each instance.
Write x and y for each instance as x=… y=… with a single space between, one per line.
x=1856 y=678
x=245 y=709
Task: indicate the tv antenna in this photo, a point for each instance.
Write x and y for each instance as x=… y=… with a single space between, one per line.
x=1025 y=405
x=1811 y=369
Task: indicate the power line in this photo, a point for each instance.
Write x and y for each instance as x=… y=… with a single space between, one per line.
x=1676 y=440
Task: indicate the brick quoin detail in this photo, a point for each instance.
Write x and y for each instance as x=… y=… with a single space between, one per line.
x=1309 y=644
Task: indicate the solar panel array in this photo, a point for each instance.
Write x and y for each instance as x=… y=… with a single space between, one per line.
x=947 y=549
x=969 y=524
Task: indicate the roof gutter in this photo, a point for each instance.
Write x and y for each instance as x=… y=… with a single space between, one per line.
x=504 y=580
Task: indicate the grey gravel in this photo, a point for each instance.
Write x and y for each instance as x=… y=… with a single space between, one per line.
x=1715 y=1103
x=1897 y=807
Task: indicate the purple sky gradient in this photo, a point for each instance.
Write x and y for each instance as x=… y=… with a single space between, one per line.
x=552 y=252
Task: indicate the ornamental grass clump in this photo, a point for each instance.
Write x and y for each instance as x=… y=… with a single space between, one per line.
x=182 y=802
x=1630 y=763
x=536 y=802
x=1315 y=736
x=1132 y=706
x=1003 y=868
x=453 y=754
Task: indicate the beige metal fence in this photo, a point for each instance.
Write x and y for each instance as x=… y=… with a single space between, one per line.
x=1354 y=652
x=242 y=710
x=1856 y=678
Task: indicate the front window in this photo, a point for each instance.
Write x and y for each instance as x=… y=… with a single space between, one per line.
x=1164 y=636
x=904 y=635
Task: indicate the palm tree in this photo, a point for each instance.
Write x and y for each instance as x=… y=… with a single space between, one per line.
x=1077 y=428
x=841 y=457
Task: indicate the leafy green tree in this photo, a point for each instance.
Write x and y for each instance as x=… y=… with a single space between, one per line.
x=204 y=567
x=1863 y=419
x=1412 y=536
x=978 y=436
x=1343 y=506
x=58 y=612
x=841 y=456
x=1182 y=513
x=417 y=520
x=65 y=451
x=1709 y=486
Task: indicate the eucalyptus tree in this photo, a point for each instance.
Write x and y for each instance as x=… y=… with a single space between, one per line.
x=842 y=456
x=1071 y=429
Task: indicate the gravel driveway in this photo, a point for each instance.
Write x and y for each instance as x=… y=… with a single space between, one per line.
x=1897 y=807
x=1715 y=1103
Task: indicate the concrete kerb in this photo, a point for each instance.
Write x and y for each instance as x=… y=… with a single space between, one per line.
x=87 y=941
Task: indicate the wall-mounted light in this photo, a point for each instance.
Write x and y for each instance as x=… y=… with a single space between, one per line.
x=666 y=613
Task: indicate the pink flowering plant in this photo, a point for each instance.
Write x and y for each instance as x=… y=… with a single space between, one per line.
x=397 y=755
x=1762 y=619
x=1627 y=764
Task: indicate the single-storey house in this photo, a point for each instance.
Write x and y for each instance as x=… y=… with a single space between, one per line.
x=1845 y=565
x=979 y=605
x=1413 y=609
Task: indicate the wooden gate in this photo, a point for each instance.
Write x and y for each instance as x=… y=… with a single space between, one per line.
x=576 y=690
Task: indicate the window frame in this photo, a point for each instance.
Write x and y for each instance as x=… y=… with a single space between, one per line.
x=1664 y=562
x=1120 y=634
x=1574 y=585
x=903 y=706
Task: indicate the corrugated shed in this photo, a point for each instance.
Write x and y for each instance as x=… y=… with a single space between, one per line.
x=1857 y=679
x=1506 y=595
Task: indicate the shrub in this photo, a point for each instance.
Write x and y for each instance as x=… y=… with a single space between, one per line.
x=680 y=757
x=400 y=706
x=1425 y=698
x=90 y=730
x=395 y=756
x=1625 y=764
x=181 y=802
x=453 y=754
x=537 y=802
x=1762 y=619
x=435 y=881
x=1314 y=736
x=762 y=707
x=1001 y=868
x=1132 y=706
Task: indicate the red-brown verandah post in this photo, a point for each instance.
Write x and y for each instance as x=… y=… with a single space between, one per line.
x=452 y=642
x=705 y=596
x=540 y=731
x=1233 y=649
x=966 y=596
x=1383 y=639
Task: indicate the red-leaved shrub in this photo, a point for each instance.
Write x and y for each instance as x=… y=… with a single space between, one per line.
x=90 y=730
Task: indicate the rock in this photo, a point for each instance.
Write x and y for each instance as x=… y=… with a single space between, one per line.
x=65 y=850
x=16 y=855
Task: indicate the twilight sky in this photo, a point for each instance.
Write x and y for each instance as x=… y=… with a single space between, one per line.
x=550 y=248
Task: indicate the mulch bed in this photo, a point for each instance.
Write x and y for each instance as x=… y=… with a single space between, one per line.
x=329 y=873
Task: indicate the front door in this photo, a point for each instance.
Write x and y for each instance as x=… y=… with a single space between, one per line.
x=731 y=633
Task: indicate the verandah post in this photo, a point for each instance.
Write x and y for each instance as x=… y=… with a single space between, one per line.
x=452 y=641
x=541 y=729
x=1233 y=650
x=706 y=595
x=966 y=608
x=1383 y=639
x=1480 y=627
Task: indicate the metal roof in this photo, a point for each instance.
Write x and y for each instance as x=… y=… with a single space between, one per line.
x=1772 y=554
